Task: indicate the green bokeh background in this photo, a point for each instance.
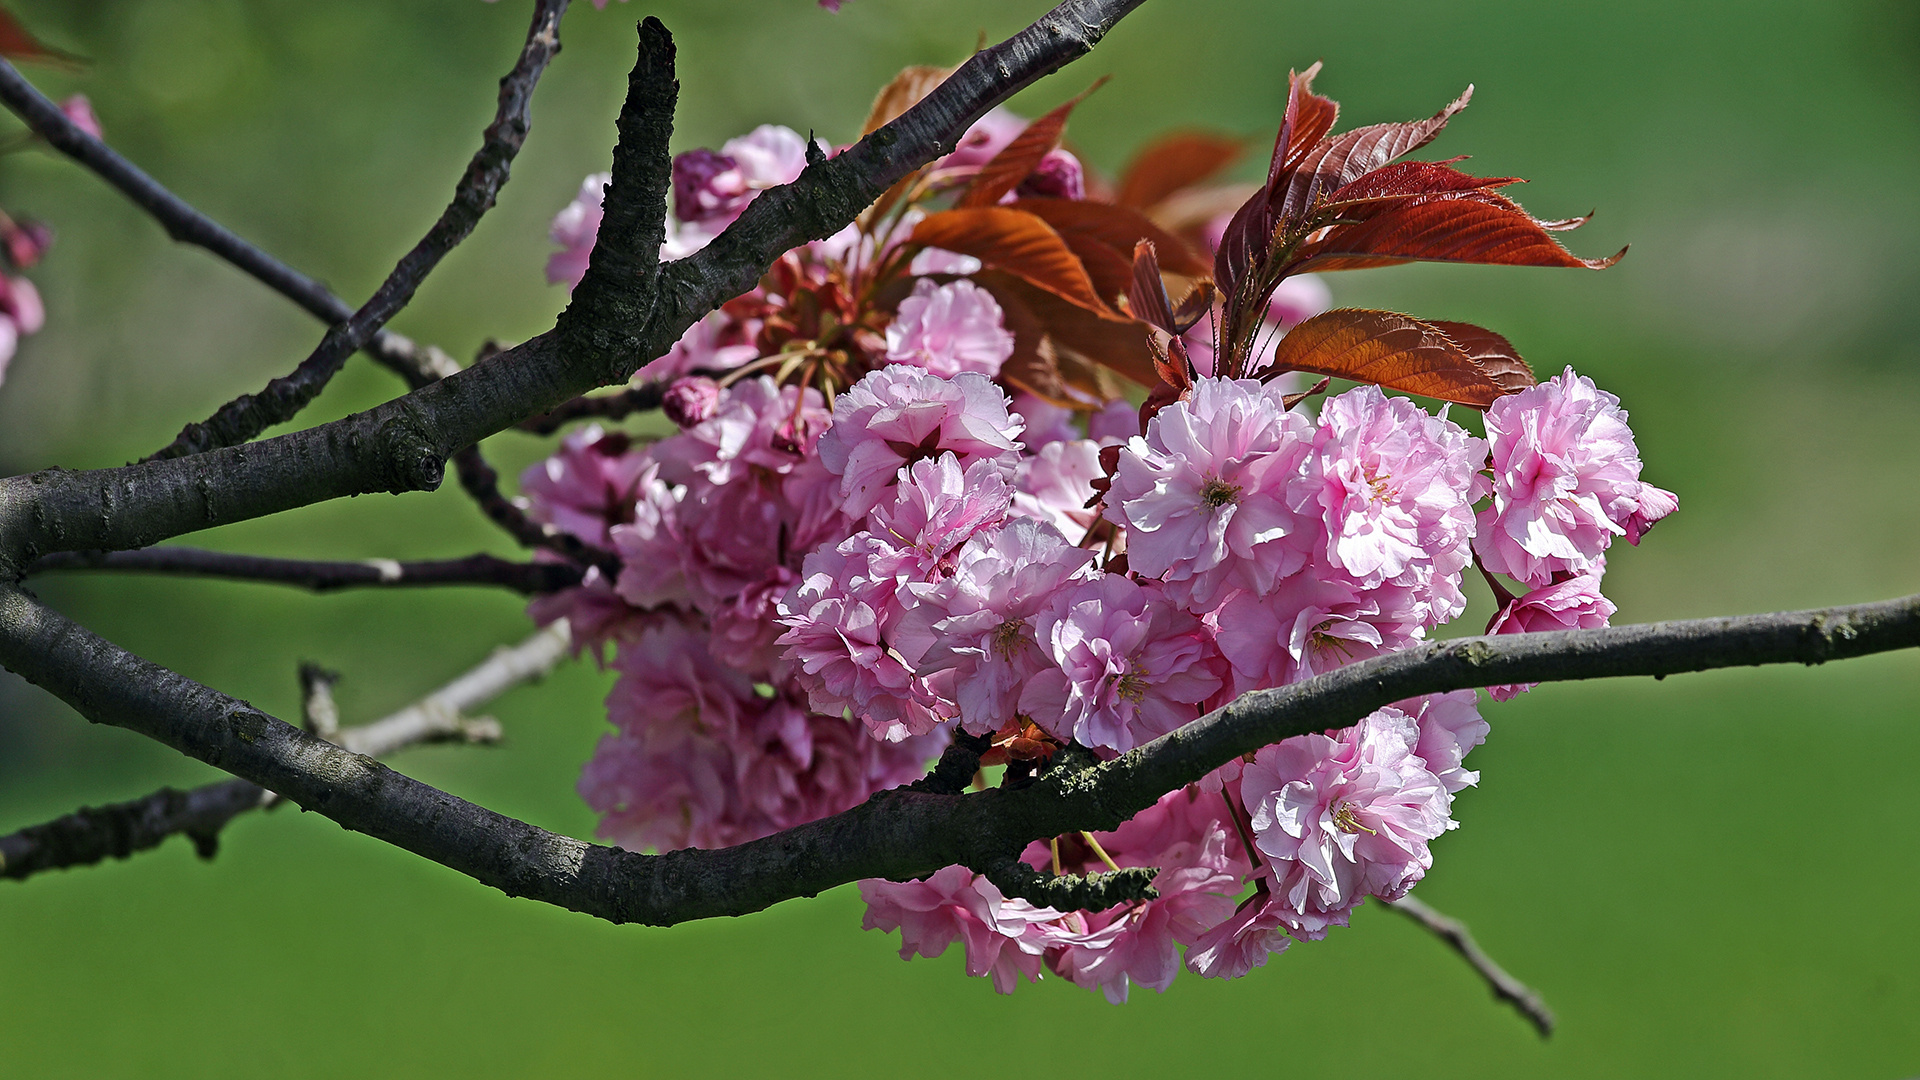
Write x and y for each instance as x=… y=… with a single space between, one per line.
x=1711 y=876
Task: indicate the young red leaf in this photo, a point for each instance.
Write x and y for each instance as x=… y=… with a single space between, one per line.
x=1307 y=120
x=1172 y=163
x=1411 y=180
x=1493 y=352
x=1395 y=351
x=1485 y=229
x=1147 y=295
x=1017 y=242
x=1344 y=158
x=16 y=43
x=903 y=93
x=1118 y=228
x=1058 y=345
x=1017 y=160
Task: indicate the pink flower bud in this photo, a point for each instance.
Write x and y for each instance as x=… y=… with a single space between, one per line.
x=80 y=111
x=26 y=242
x=691 y=400
x=1058 y=176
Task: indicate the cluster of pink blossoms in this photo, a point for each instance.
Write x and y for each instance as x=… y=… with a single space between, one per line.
x=817 y=588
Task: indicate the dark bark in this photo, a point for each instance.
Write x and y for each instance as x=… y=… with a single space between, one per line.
x=905 y=833
x=248 y=415
x=322 y=575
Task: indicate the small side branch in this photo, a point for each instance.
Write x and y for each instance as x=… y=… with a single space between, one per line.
x=1525 y=1000
x=95 y=834
x=617 y=406
x=480 y=481
x=248 y=415
x=320 y=575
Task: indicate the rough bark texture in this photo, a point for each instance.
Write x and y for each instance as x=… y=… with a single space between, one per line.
x=905 y=833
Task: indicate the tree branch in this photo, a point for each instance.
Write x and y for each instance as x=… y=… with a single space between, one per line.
x=94 y=834
x=614 y=323
x=246 y=416
x=321 y=575
x=616 y=406
x=418 y=364
x=900 y=834
x=1525 y=1000
x=480 y=481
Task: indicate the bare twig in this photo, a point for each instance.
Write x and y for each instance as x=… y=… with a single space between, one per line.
x=905 y=833
x=248 y=415
x=418 y=364
x=95 y=834
x=480 y=481
x=615 y=406
x=1525 y=1000
x=322 y=575
x=319 y=715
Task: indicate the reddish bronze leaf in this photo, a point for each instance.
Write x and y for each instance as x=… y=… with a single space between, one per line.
x=903 y=93
x=1017 y=242
x=1059 y=345
x=1147 y=295
x=1493 y=352
x=16 y=43
x=1396 y=351
x=1173 y=162
x=1307 y=120
x=1118 y=228
x=1410 y=180
x=1487 y=228
x=1017 y=160
x=1344 y=158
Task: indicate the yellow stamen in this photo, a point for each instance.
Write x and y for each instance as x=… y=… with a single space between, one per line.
x=1097 y=850
x=1347 y=821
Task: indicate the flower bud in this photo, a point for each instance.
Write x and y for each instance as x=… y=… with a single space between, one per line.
x=690 y=400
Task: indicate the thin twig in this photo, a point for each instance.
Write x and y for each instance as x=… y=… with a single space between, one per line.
x=94 y=834
x=322 y=575
x=318 y=713
x=480 y=481
x=616 y=406
x=248 y=415
x=418 y=364
x=1525 y=999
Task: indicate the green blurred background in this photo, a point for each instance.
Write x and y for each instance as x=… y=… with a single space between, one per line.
x=1710 y=876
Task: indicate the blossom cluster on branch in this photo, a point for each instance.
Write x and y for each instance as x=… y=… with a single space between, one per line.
x=910 y=493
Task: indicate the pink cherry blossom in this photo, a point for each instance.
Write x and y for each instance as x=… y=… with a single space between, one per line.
x=717 y=342
x=574 y=229
x=1566 y=481
x=938 y=507
x=948 y=329
x=1344 y=817
x=1394 y=486
x=840 y=622
x=1573 y=604
x=980 y=622
x=1115 y=422
x=21 y=314
x=988 y=136
x=589 y=486
x=1450 y=726
x=900 y=414
x=1056 y=484
x=1192 y=842
x=1309 y=625
x=751 y=431
x=700 y=760
x=1045 y=421
x=595 y=613
x=1203 y=494
x=711 y=189
x=1129 y=665
x=955 y=904
x=692 y=399
x=1244 y=940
